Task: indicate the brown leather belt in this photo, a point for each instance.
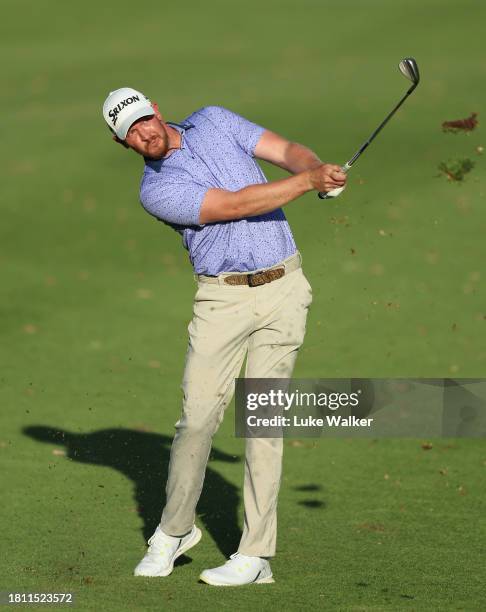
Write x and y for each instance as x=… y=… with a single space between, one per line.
x=255 y=279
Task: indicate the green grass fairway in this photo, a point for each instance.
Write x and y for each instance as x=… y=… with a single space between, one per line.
x=96 y=298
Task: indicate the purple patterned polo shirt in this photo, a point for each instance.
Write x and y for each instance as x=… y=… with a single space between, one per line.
x=217 y=150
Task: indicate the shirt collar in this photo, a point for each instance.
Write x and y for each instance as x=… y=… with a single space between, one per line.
x=181 y=128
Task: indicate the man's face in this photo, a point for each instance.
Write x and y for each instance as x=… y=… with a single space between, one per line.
x=148 y=137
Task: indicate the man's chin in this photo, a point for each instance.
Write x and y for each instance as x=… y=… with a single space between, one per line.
x=155 y=153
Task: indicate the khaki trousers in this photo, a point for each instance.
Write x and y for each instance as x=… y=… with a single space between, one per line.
x=267 y=324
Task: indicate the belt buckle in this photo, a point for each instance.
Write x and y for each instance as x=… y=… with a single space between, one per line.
x=251 y=283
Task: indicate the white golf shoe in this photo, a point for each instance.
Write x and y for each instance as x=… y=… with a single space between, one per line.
x=239 y=570
x=163 y=551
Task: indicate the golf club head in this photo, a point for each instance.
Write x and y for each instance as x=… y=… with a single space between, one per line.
x=408 y=67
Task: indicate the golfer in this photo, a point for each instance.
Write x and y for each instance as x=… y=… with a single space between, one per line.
x=252 y=298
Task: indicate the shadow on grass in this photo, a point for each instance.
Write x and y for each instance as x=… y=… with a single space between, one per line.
x=143 y=457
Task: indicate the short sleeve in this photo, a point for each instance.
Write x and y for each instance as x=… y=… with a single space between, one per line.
x=177 y=203
x=245 y=132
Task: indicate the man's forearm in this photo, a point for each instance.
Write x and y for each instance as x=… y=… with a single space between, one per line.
x=259 y=199
x=299 y=158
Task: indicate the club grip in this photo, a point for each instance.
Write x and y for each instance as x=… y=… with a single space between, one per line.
x=326 y=195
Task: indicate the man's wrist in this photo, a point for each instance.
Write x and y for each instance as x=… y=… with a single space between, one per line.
x=307 y=184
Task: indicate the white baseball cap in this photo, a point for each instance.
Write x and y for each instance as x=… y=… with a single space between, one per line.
x=123 y=107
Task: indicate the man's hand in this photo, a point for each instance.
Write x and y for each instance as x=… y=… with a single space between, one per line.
x=326 y=177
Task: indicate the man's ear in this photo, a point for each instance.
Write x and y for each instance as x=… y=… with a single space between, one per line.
x=122 y=142
x=155 y=106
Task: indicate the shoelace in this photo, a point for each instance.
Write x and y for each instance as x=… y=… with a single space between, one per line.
x=160 y=549
x=150 y=540
x=244 y=564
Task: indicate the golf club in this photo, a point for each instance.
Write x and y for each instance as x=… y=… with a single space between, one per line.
x=408 y=67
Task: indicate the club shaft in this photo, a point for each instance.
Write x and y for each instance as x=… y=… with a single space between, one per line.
x=378 y=129
x=349 y=163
